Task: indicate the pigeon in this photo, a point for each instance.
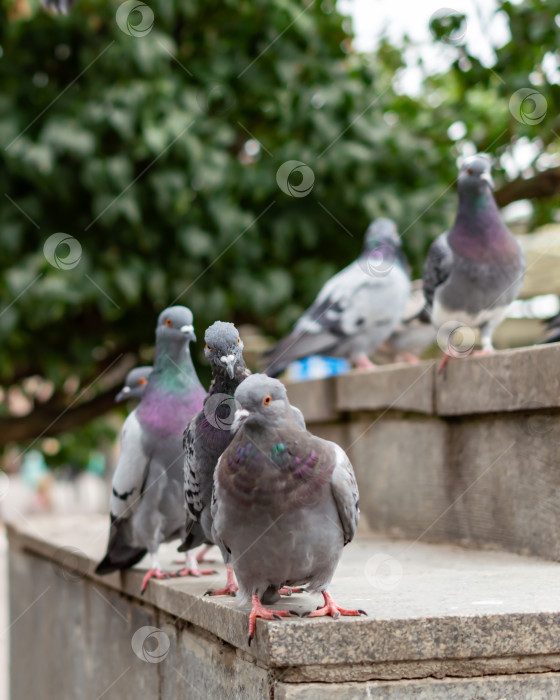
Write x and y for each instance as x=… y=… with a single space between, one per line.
x=475 y=270
x=553 y=329
x=134 y=384
x=208 y=434
x=284 y=502
x=147 y=503
x=62 y=7
x=356 y=310
x=413 y=334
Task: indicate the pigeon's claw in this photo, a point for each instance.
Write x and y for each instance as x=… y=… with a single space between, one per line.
x=445 y=360
x=154 y=573
x=332 y=609
x=362 y=362
x=288 y=590
x=231 y=586
x=258 y=610
x=195 y=571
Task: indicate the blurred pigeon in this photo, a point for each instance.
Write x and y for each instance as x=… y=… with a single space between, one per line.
x=553 y=329
x=147 y=504
x=58 y=6
x=284 y=503
x=473 y=272
x=208 y=434
x=134 y=384
x=413 y=334
x=356 y=310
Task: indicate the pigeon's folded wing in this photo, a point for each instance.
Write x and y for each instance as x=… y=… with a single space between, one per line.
x=437 y=268
x=131 y=471
x=347 y=302
x=345 y=493
x=193 y=499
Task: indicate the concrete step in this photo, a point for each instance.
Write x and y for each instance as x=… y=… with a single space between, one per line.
x=444 y=622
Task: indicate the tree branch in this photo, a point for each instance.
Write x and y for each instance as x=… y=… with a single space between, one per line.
x=54 y=418
x=541 y=185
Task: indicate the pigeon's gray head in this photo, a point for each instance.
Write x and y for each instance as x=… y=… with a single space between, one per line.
x=261 y=401
x=475 y=174
x=382 y=232
x=134 y=384
x=224 y=347
x=175 y=324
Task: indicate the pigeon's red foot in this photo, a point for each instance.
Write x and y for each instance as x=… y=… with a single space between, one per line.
x=154 y=573
x=288 y=590
x=231 y=586
x=195 y=571
x=445 y=360
x=332 y=609
x=485 y=352
x=410 y=358
x=258 y=610
x=362 y=362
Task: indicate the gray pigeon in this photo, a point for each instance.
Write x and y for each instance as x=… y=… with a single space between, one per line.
x=58 y=6
x=356 y=310
x=147 y=503
x=473 y=272
x=413 y=334
x=208 y=434
x=134 y=384
x=284 y=503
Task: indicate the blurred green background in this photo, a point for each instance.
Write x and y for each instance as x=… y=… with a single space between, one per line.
x=159 y=154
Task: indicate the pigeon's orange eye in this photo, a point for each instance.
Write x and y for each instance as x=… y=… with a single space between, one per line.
x=267 y=400
x=239 y=341
x=168 y=322
x=142 y=381
x=469 y=171
x=208 y=347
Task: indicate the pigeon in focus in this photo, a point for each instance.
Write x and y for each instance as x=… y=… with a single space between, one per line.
x=413 y=334
x=208 y=434
x=134 y=384
x=356 y=310
x=147 y=502
x=474 y=271
x=285 y=502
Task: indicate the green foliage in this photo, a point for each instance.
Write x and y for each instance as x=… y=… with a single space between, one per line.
x=136 y=147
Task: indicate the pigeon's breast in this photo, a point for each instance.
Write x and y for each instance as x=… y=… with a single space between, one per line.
x=478 y=290
x=169 y=414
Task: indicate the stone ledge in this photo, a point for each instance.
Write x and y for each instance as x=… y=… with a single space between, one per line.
x=436 y=609
x=520 y=379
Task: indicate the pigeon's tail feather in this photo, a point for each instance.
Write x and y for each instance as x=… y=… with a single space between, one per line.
x=120 y=554
x=294 y=347
x=553 y=329
x=194 y=536
x=109 y=564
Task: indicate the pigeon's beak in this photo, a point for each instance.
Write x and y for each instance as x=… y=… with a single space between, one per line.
x=239 y=418
x=189 y=332
x=123 y=394
x=229 y=362
x=487 y=177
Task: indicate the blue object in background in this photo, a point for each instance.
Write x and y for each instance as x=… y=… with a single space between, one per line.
x=34 y=469
x=317 y=367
